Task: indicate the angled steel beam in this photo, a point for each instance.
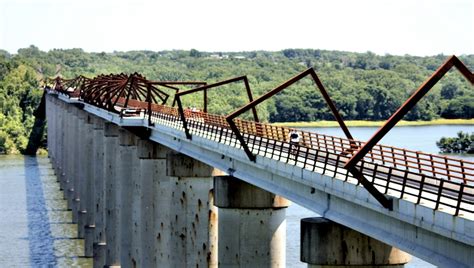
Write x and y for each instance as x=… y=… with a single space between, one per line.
x=408 y=105
x=276 y=90
x=395 y=118
x=205 y=88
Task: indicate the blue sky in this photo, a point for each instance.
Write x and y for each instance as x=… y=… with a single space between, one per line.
x=416 y=27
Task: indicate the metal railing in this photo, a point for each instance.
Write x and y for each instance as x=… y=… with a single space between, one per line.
x=440 y=182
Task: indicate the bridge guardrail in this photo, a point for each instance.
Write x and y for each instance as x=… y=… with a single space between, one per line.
x=439 y=181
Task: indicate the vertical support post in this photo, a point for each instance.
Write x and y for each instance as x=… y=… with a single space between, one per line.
x=112 y=228
x=72 y=162
x=252 y=224
x=80 y=158
x=150 y=207
x=192 y=214
x=98 y=168
x=127 y=172
x=88 y=189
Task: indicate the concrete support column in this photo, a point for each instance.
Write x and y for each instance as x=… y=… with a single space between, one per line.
x=87 y=205
x=82 y=141
x=192 y=213
x=61 y=147
x=328 y=244
x=69 y=151
x=127 y=170
x=98 y=168
x=51 y=118
x=252 y=224
x=150 y=207
x=77 y=146
x=112 y=228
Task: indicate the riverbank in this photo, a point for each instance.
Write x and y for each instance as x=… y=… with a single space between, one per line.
x=363 y=123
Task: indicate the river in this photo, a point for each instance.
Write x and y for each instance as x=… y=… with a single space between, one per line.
x=35 y=224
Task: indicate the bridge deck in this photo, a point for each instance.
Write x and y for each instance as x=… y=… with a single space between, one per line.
x=438 y=182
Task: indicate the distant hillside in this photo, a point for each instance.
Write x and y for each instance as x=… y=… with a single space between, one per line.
x=364 y=86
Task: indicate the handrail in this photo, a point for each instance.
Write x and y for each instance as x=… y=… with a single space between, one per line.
x=404 y=168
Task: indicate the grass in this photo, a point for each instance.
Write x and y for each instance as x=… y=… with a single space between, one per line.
x=362 y=123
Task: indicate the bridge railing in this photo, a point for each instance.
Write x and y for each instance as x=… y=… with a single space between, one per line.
x=440 y=181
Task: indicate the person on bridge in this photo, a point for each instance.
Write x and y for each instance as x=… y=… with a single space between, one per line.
x=294 y=141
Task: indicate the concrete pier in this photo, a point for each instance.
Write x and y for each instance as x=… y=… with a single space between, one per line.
x=192 y=213
x=112 y=227
x=150 y=206
x=87 y=205
x=252 y=225
x=328 y=244
x=69 y=161
x=127 y=171
x=74 y=141
x=98 y=168
x=82 y=144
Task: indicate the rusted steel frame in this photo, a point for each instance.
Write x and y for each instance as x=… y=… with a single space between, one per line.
x=205 y=88
x=159 y=93
x=120 y=92
x=177 y=83
x=99 y=84
x=77 y=84
x=381 y=198
x=408 y=105
x=102 y=92
x=183 y=119
x=131 y=89
x=276 y=90
x=93 y=91
x=168 y=84
x=228 y=81
x=144 y=85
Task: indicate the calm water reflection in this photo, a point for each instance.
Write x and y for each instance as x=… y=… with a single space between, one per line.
x=36 y=229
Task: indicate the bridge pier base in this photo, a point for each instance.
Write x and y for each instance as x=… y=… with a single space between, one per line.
x=69 y=162
x=193 y=217
x=328 y=244
x=87 y=205
x=150 y=207
x=82 y=179
x=112 y=228
x=62 y=148
x=76 y=144
x=252 y=225
x=127 y=172
x=98 y=169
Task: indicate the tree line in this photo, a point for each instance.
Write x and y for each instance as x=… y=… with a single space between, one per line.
x=364 y=86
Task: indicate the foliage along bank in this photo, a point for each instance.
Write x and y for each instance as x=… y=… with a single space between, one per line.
x=364 y=86
x=463 y=143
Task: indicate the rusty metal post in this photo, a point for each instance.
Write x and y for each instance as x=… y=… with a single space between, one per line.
x=273 y=92
x=205 y=88
x=408 y=105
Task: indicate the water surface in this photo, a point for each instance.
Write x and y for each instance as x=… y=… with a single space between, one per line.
x=36 y=228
